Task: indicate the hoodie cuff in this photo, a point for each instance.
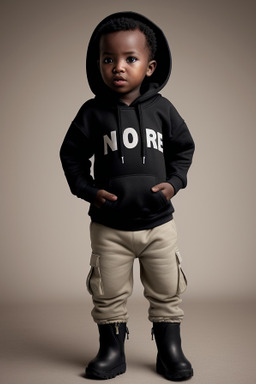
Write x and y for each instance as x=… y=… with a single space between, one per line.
x=90 y=194
x=176 y=182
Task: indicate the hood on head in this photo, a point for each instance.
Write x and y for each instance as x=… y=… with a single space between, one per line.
x=163 y=57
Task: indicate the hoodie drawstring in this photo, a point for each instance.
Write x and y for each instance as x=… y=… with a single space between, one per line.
x=120 y=133
x=141 y=130
x=142 y=135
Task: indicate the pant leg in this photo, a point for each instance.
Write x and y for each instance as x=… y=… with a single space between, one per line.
x=161 y=274
x=110 y=280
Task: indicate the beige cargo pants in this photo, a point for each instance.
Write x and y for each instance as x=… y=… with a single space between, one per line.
x=110 y=280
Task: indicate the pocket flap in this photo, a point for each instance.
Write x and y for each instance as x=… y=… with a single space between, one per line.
x=94 y=281
x=179 y=257
x=95 y=260
x=182 y=280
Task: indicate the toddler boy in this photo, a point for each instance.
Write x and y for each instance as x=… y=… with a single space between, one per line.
x=142 y=151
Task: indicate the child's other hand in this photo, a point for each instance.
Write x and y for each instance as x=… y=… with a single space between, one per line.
x=166 y=188
x=102 y=196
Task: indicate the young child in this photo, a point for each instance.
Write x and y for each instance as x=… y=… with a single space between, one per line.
x=142 y=152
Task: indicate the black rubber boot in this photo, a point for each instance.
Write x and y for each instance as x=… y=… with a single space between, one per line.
x=171 y=362
x=110 y=360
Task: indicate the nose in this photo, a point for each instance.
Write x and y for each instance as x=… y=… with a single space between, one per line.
x=119 y=67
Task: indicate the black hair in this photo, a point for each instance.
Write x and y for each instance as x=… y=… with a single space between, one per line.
x=129 y=24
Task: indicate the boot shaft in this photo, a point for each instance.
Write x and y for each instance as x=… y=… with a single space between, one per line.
x=113 y=333
x=166 y=334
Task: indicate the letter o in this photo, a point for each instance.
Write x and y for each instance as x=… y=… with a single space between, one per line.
x=130 y=133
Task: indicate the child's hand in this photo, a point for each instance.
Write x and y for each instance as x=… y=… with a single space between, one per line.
x=102 y=196
x=166 y=188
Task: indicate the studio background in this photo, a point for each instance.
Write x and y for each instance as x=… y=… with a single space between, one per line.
x=45 y=246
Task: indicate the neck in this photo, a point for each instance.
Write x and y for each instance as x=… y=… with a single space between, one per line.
x=128 y=99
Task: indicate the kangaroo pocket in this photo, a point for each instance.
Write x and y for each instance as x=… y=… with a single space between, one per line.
x=135 y=197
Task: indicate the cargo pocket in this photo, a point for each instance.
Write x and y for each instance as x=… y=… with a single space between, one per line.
x=94 y=281
x=182 y=280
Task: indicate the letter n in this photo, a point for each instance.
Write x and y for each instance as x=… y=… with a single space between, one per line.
x=110 y=142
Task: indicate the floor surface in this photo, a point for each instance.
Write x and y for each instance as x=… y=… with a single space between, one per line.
x=52 y=343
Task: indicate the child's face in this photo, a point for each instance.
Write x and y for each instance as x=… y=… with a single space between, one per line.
x=124 y=62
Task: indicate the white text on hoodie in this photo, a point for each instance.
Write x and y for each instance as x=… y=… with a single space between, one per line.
x=131 y=139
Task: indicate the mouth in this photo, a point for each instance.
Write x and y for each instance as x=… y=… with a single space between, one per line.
x=119 y=81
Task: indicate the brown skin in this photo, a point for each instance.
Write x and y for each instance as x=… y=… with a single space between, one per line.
x=124 y=63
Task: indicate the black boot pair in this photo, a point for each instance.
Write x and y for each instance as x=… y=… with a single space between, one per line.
x=110 y=360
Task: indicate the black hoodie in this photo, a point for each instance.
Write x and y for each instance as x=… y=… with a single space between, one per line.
x=135 y=147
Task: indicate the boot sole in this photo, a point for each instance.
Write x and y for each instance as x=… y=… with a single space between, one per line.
x=175 y=375
x=101 y=375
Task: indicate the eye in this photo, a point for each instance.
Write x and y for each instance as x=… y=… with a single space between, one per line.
x=107 y=60
x=131 y=59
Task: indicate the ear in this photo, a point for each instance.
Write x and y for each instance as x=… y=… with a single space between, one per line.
x=151 y=67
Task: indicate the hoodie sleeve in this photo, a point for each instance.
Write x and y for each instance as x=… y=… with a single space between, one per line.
x=179 y=150
x=75 y=152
